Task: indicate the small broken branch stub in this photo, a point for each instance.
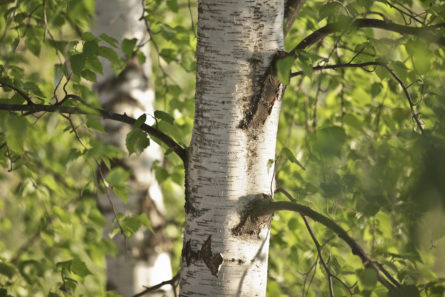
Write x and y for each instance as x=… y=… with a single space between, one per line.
x=253 y=218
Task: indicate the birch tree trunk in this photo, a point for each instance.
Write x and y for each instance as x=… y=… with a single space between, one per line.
x=143 y=260
x=233 y=147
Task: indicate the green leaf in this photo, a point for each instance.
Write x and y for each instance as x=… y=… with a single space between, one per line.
x=136 y=141
x=88 y=36
x=78 y=267
x=404 y=291
x=108 y=53
x=131 y=225
x=284 y=66
x=95 y=124
x=368 y=277
x=162 y=115
x=117 y=176
x=90 y=49
x=291 y=157
x=168 y=54
x=173 y=5
x=7 y=270
x=140 y=120
x=420 y=54
x=77 y=63
x=89 y=75
x=93 y=63
x=15 y=132
x=110 y=40
x=170 y=129
x=128 y=47
x=376 y=88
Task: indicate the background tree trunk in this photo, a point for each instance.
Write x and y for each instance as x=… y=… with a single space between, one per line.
x=232 y=150
x=143 y=260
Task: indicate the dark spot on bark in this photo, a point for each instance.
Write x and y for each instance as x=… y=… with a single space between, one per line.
x=270 y=89
x=212 y=260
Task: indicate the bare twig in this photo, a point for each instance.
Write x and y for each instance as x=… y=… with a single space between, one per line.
x=320 y=255
x=191 y=17
x=341 y=65
x=174 y=282
x=408 y=96
x=292 y=9
x=17 y=90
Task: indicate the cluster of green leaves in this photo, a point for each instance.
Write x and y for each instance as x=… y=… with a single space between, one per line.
x=51 y=230
x=349 y=148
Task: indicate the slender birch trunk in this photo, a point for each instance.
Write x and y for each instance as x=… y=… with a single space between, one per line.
x=232 y=150
x=143 y=260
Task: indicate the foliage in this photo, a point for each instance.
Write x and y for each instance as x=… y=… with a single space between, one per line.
x=348 y=146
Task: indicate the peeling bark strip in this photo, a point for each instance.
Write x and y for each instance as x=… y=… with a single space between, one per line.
x=212 y=261
x=260 y=105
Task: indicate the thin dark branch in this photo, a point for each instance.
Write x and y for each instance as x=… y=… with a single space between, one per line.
x=320 y=255
x=408 y=96
x=174 y=282
x=20 y=92
x=341 y=65
x=292 y=9
x=404 y=13
x=320 y=34
x=363 y=65
x=261 y=207
x=107 y=115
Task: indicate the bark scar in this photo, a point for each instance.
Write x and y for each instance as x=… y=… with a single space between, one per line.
x=261 y=105
x=212 y=261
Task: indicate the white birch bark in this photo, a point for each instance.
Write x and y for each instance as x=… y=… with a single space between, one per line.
x=142 y=262
x=228 y=164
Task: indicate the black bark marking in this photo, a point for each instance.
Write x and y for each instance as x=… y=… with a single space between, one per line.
x=252 y=222
x=212 y=261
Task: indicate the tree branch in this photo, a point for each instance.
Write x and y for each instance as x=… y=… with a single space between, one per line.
x=292 y=9
x=341 y=65
x=320 y=34
x=174 y=282
x=107 y=115
x=17 y=90
x=260 y=207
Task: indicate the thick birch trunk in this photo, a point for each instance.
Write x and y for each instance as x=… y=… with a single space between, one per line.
x=233 y=142
x=143 y=260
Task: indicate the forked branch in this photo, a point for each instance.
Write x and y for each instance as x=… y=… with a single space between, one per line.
x=260 y=207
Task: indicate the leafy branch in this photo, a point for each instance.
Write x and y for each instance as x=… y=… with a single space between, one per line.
x=421 y=32
x=260 y=207
x=104 y=114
